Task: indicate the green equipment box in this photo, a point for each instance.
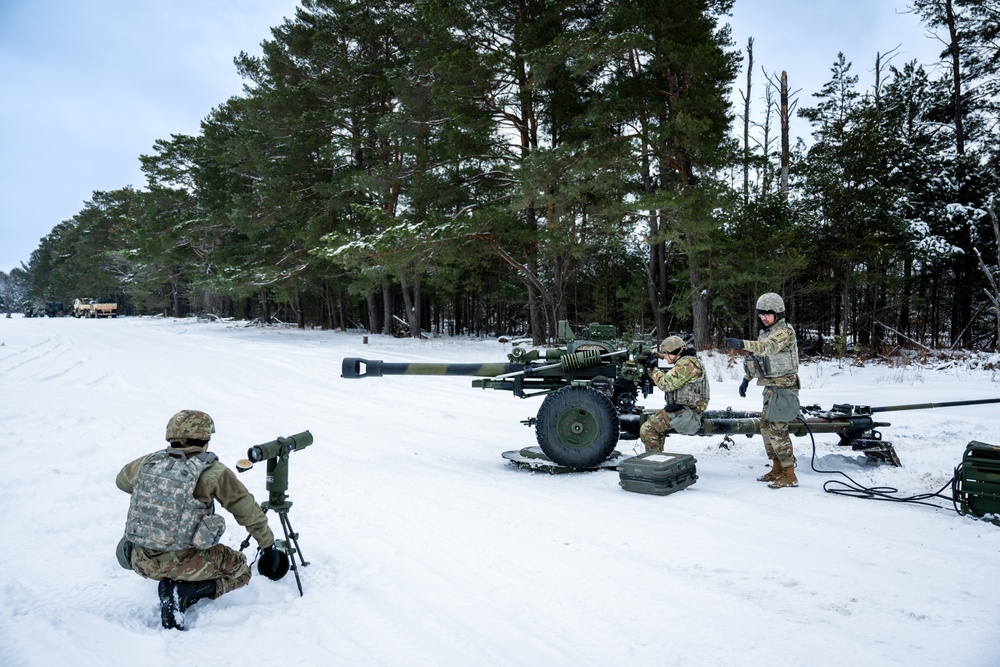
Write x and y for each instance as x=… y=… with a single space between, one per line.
x=658 y=473
x=977 y=480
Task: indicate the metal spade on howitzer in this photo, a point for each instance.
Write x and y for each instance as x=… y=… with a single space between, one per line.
x=591 y=388
x=276 y=454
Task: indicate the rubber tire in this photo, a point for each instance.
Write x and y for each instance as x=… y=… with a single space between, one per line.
x=582 y=409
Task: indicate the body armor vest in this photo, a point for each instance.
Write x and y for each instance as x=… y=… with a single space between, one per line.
x=164 y=514
x=694 y=394
x=779 y=364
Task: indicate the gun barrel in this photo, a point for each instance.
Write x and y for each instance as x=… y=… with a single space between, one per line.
x=354 y=367
x=926 y=406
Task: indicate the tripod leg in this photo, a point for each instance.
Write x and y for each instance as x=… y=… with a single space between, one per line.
x=294 y=537
x=291 y=538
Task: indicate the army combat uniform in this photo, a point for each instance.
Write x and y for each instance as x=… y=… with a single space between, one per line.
x=226 y=566
x=687 y=393
x=774 y=363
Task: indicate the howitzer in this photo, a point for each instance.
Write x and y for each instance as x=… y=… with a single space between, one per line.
x=591 y=389
x=587 y=385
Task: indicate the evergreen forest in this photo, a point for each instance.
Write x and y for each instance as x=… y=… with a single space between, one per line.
x=490 y=167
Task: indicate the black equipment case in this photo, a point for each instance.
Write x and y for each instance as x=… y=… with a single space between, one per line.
x=658 y=473
x=976 y=487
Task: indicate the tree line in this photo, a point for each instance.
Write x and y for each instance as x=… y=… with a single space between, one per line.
x=493 y=166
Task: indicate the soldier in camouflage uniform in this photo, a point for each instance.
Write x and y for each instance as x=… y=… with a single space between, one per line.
x=687 y=393
x=172 y=532
x=774 y=362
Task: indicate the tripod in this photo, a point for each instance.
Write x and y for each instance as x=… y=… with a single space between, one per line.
x=291 y=537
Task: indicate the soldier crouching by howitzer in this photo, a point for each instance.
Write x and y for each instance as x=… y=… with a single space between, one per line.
x=687 y=393
x=172 y=532
x=774 y=362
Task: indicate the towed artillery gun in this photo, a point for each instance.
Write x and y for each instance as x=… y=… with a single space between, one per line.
x=591 y=388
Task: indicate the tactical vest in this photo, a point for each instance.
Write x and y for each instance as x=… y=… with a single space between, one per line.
x=694 y=394
x=164 y=514
x=779 y=364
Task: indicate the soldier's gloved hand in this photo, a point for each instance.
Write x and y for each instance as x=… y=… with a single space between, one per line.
x=652 y=361
x=734 y=343
x=273 y=562
x=743 y=387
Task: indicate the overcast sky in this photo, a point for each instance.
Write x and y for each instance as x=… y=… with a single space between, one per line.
x=86 y=87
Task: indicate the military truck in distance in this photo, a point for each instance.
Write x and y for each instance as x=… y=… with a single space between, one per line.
x=82 y=307
x=105 y=308
x=47 y=309
x=95 y=308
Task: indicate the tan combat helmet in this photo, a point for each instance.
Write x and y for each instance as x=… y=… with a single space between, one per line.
x=190 y=425
x=671 y=345
x=770 y=303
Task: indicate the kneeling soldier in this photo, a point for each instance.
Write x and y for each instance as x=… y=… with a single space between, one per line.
x=172 y=532
x=687 y=394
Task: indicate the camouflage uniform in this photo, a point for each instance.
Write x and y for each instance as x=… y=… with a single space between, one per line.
x=775 y=365
x=687 y=394
x=226 y=566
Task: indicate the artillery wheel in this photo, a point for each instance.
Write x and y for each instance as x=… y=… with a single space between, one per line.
x=577 y=427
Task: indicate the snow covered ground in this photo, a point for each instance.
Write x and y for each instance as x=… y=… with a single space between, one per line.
x=425 y=547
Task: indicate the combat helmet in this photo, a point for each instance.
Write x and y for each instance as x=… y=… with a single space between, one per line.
x=770 y=303
x=671 y=345
x=190 y=425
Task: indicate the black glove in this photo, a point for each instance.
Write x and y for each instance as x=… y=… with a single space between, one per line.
x=273 y=563
x=652 y=361
x=734 y=343
x=743 y=387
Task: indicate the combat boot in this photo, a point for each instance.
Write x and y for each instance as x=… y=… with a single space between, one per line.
x=189 y=592
x=171 y=616
x=786 y=477
x=773 y=474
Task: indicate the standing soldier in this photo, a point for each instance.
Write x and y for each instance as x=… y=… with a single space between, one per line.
x=687 y=394
x=774 y=362
x=172 y=532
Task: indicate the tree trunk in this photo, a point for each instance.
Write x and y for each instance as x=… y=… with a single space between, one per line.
x=300 y=315
x=785 y=143
x=536 y=308
x=411 y=303
x=371 y=301
x=746 y=124
x=956 y=76
x=265 y=307
x=699 y=304
x=387 y=309
x=175 y=298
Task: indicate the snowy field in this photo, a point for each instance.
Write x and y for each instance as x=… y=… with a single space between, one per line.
x=427 y=548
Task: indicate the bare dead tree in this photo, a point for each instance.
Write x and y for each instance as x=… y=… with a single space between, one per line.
x=746 y=123
x=785 y=112
x=993 y=294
